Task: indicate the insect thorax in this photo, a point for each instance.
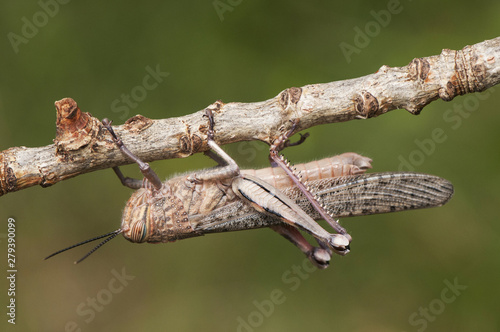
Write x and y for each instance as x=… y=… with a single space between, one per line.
x=155 y=216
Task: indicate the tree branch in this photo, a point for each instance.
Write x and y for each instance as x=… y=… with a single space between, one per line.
x=82 y=145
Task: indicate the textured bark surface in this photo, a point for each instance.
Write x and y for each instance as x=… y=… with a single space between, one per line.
x=82 y=145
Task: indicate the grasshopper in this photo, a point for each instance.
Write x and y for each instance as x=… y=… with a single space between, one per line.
x=225 y=198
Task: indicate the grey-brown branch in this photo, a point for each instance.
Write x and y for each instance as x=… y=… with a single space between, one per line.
x=82 y=144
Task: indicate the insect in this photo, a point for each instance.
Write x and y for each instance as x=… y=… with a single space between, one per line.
x=225 y=198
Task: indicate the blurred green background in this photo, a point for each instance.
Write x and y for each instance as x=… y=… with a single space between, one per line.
x=401 y=265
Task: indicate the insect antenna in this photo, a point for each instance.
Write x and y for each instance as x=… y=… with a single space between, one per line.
x=109 y=236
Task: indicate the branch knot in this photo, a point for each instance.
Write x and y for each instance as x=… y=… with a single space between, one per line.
x=75 y=129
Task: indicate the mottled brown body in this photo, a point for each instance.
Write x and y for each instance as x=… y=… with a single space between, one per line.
x=159 y=217
x=184 y=208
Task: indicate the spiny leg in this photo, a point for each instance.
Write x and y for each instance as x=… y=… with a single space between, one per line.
x=267 y=199
x=148 y=173
x=278 y=145
x=286 y=143
x=320 y=257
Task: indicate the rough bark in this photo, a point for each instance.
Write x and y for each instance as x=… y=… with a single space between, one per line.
x=82 y=145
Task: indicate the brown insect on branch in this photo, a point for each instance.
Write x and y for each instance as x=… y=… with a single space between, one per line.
x=82 y=145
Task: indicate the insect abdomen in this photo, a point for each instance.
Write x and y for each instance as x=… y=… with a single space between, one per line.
x=344 y=164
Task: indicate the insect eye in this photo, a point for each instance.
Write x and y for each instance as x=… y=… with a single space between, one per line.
x=138 y=232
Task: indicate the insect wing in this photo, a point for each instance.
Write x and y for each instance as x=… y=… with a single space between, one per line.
x=376 y=193
x=345 y=196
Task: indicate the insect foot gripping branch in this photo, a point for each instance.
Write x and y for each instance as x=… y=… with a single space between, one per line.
x=226 y=198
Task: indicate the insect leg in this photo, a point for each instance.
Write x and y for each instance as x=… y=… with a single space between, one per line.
x=264 y=197
x=318 y=256
x=229 y=168
x=267 y=199
x=286 y=143
x=278 y=145
x=146 y=170
x=126 y=181
x=220 y=161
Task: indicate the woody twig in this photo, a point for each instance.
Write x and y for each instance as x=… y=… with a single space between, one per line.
x=82 y=145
